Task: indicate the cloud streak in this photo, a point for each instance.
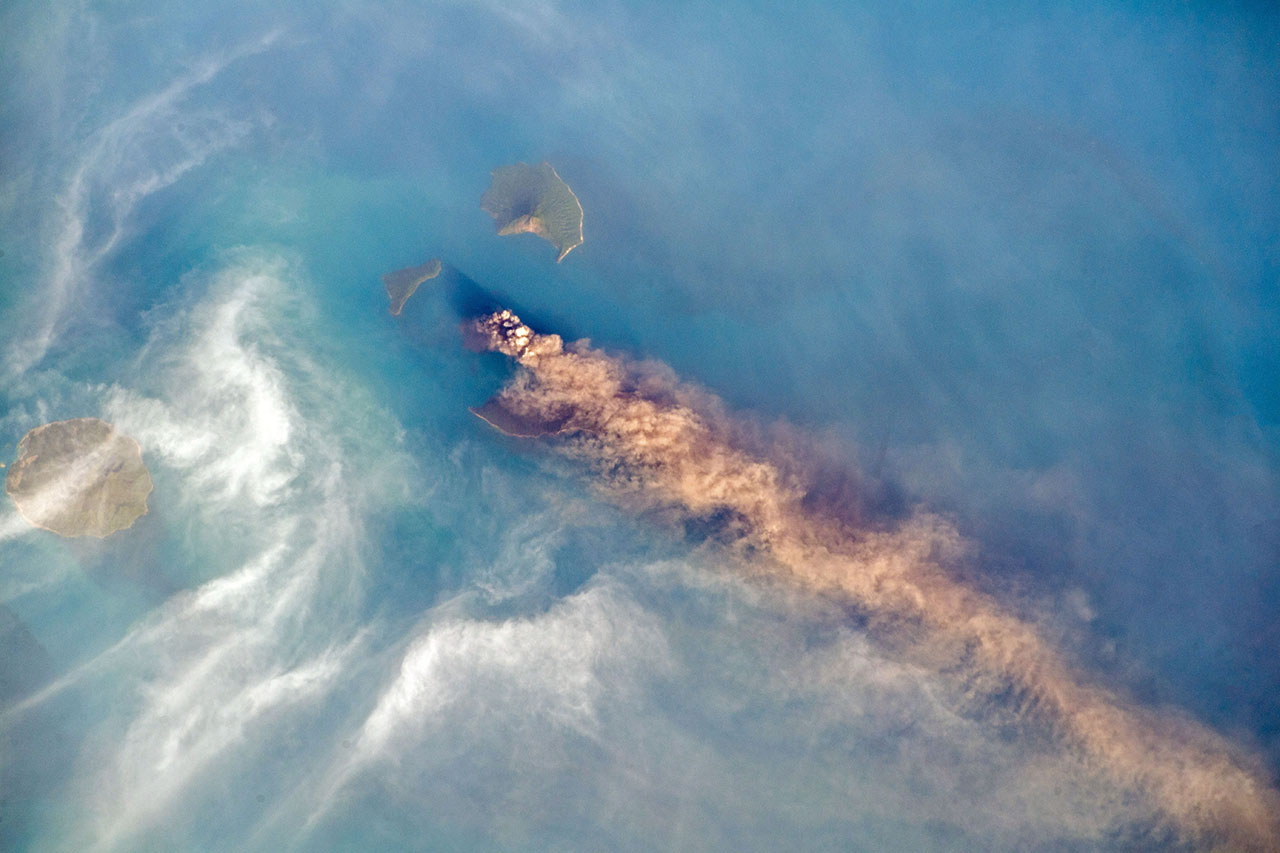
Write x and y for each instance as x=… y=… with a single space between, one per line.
x=243 y=429
x=151 y=146
x=658 y=442
x=464 y=675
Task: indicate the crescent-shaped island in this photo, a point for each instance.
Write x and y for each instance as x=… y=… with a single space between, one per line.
x=524 y=199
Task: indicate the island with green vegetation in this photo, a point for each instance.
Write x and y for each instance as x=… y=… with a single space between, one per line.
x=401 y=284
x=79 y=478
x=524 y=199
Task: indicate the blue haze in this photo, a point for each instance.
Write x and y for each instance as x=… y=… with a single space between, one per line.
x=1019 y=262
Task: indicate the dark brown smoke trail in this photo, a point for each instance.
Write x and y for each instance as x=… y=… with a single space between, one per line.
x=670 y=444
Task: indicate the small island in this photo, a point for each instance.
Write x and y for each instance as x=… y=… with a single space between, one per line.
x=401 y=284
x=79 y=478
x=518 y=425
x=524 y=199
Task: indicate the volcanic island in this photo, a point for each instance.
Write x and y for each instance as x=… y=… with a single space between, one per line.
x=401 y=284
x=524 y=199
x=79 y=478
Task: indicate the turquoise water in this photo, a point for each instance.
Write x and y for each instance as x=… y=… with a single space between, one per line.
x=1017 y=265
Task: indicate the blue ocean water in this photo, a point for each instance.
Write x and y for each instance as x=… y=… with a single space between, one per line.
x=1015 y=263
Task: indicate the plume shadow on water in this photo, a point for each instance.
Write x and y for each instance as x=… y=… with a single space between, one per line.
x=463 y=298
x=26 y=758
x=25 y=665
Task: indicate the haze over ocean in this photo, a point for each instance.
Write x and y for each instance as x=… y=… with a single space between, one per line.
x=1012 y=265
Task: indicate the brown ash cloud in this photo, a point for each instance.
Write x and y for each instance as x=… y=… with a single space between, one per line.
x=656 y=442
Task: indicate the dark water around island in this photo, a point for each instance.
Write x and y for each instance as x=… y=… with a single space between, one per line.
x=1017 y=264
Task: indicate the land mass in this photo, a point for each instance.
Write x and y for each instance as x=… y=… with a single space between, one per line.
x=79 y=478
x=508 y=422
x=401 y=284
x=524 y=199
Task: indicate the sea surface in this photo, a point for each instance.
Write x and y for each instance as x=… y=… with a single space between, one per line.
x=1018 y=264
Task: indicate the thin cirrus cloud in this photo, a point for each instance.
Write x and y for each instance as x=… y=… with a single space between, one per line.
x=214 y=671
x=153 y=144
x=476 y=682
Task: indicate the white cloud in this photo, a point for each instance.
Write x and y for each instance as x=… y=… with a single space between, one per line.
x=246 y=436
x=230 y=417
x=525 y=560
x=152 y=145
x=555 y=666
x=472 y=678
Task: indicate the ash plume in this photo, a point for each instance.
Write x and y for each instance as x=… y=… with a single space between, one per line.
x=658 y=442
